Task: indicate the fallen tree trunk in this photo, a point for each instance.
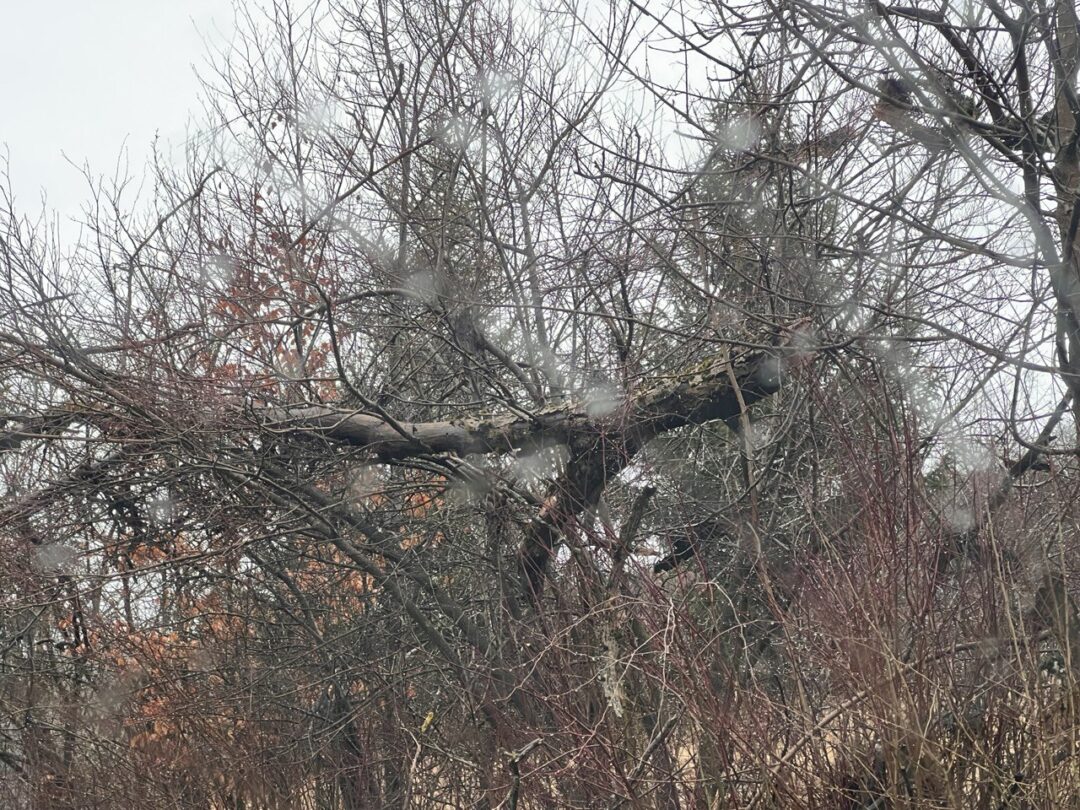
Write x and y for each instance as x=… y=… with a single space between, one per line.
x=699 y=394
x=720 y=387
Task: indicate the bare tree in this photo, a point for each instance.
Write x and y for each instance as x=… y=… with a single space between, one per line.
x=523 y=406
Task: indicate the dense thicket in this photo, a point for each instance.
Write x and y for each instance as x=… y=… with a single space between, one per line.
x=514 y=405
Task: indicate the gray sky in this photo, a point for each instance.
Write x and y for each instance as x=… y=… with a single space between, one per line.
x=86 y=79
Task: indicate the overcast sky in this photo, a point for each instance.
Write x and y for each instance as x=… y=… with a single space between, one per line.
x=80 y=80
